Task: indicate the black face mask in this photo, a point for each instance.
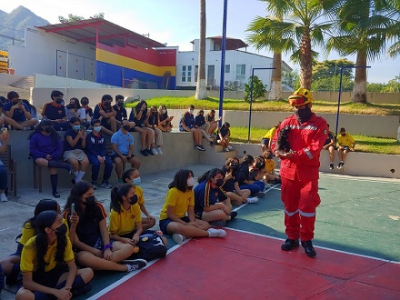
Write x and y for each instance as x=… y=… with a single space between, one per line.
x=303 y=115
x=269 y=156
x=46 y=129
x=62 y=230
x=126 y=127
x=219 y=182
x=154 y=114
x=89 y=201
x=59 y=101
x=120 y=104
x=234 y=166
x=107 y=104
x=85 y=102
x=14 y=102
x=133 y=200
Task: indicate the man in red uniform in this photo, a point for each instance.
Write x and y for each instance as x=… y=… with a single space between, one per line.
x=299 y=170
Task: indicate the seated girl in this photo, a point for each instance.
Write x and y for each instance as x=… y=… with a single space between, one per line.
x=256 y=187
x=153 y=120
x=132 y=176
x=211 y=202
x=177 y=215
x=43 y=259
x=89 y=234
x=223 y=136
x=270 y=175
x=164 y=123
x=210 y=119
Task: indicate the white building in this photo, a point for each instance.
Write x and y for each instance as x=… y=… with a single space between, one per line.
x=238 y=65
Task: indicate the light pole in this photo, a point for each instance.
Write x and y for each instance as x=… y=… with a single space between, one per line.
x=251 y=97
x=222 y=79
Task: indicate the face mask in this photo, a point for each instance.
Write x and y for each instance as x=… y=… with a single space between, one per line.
x=269 y=156
x=154 y=113
x=85 y=102
x=120 y=104
x=137 y=181
x=164 y=111
x=14 y=102
x=126 y=127
x=97 y=128
x=133 y=200
x=191 y=111
x=190 y=182
x=59 y=101
x=219 y=182
x=234 y=166
x=342 y=134
x=76 y=127
x=107 y=104
x=303 y=115
x=46 y=129
x=89 y=201
x=61 y=230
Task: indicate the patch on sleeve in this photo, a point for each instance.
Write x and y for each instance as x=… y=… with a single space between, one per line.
x=325 y=132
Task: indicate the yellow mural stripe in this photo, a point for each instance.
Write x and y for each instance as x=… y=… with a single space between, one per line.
x=130 y=63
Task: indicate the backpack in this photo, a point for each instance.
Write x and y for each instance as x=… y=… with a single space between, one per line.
x=151 y=246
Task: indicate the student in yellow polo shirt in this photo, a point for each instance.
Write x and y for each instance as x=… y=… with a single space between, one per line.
x=42 y=260
x=266 y=140
x=270 y=168
x=346 y=144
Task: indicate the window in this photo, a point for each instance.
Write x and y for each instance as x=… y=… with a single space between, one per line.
x=240 y=71
x=196 y=70
x=183 y=73
x=227 y=69
x=189 y=73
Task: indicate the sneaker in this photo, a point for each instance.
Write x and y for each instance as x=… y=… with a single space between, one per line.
x=3 y=197
x=229 y=147
x=56 y=194
x=226 y=149
x=289 y=244
x=160 y=151
x=149 y=151
x=309 y=249
x=198 y=148
x=144 y=152
x=267 y=187
x=178 y=238
x=331 y=167
x=252 y=200
x=94 y=185
x=261 y=194
x=106 y=185
x=154 y=151
x=202 y=148
x=212 y=232
x=233 y=215
x=340 y=165
x=218 y=223
x=136 y=264
x=211 y=143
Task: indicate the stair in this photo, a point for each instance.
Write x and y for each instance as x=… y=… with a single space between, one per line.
x=215 y=155
x=25 y=83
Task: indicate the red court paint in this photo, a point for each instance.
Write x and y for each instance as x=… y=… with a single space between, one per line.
x=246 y=266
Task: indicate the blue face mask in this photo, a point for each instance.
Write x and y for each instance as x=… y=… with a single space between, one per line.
x=76 y=127
x=97 y=128
x=137 y=181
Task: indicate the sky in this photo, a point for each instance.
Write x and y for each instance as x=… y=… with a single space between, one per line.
x=176 y=22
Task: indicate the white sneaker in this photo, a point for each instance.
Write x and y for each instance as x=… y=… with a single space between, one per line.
x=212 y=232
x=160 y=151
x=252 y=200
x=178 y=238
x=154 y=150
x=3 y=197
x=226 y=149
x=229 y=147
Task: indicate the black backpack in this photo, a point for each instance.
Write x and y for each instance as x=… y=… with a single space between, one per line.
x=151 y=246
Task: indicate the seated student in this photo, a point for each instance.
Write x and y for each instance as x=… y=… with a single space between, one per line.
x=139 y=116
x=46 y=149
x=237 y=195
x=10 y=265
x=86 y=110
x=177 y=215
x=267 y=139
x=200 y=123
x=211 y=202
x=97 y=155
x=256 y=187
x=74 y=148
x=223 y=136
x=42 y=276
x=105 y=113
x=132 y=176
x=152 y=122
x=90 y=236
x=122 y=149
x=210 y=118
x=270 y=175
x=120 y=109
x=18 y=111
x=257 y=172
x=55 y=111
x=186 y=124
x=330 y=146
x=4 y=138
x=6 y=121
x=164 y=123
x=346 y=144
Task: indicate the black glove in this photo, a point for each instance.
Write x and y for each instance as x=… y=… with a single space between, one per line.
x=282 y=144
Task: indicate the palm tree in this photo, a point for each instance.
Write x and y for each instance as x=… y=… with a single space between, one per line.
x=294 y=25
x=201 y=74
x=363 y=28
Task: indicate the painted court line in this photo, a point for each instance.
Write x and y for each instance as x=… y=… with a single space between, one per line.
x=269 y=189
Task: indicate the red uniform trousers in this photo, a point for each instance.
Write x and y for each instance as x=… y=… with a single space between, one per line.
x=300 y=199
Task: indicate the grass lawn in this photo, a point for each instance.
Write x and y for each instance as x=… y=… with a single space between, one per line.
x=363 y=143
x=235 y=104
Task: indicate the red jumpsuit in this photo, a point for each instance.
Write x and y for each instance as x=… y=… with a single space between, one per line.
x=299 y=189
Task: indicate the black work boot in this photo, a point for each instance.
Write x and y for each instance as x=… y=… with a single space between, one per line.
x=289 y=244
x=309 y=249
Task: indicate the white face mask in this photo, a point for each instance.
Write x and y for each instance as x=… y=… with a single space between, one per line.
x=191 y=111
x=190 y=182
x=164 y=111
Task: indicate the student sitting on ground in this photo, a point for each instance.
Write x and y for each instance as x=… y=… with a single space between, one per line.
x=9 y=267
x=256 y=187
x=330 y=146
x=177 y=215
x=122 y=149
x=211 y=202
x=19 y=112
x=55 y=111
x=97 y=155
x=152 y=121
x=132 y=176
x=105 y=113
x=90 y=236
x=46 y=149
x=266 y=140
x=164 y=123
x=270 y=175
x=210 y=118
x=257 y=173
x=346 y=144
x=223 y=136
x=186 y=124
x=237 y=195
x=43 y=278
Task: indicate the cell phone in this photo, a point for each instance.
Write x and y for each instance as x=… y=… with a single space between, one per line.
x=83 y=127
x=72 y=209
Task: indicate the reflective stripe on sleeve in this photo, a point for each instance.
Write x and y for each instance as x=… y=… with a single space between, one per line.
x=308 y=153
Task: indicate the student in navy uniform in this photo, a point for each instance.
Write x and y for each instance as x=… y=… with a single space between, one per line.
x=164 y=123
x=256 y=187
x=153 y=121
x=55 y=111
x=120 y=109
x=18 y=111
x=87 y=109
x=330 y=146
x=200 y=123
x=210 y=118
x=74 y=146
x=186 y=124
x=105 y=113
x=97 y=155
x=223 y=136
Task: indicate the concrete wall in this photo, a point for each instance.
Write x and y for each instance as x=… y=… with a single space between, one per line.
x=7 y=79
x=56 y=82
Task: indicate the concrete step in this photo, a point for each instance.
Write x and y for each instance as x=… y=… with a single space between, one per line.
x=25 y=83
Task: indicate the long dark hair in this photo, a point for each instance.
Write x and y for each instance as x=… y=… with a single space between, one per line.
x=210 y=174
x=247 y=160
x=75 y=196
x=43 y=205
x=228 y=162
x=38 y=129
x=127 y=174
x=180 y=180
x=116 y=195
x=139 y=106
x=43 y=220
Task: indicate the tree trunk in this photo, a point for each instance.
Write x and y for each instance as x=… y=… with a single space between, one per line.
x=360 y=81
x=276 y=81
x=201 y=74
x=305 y=60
